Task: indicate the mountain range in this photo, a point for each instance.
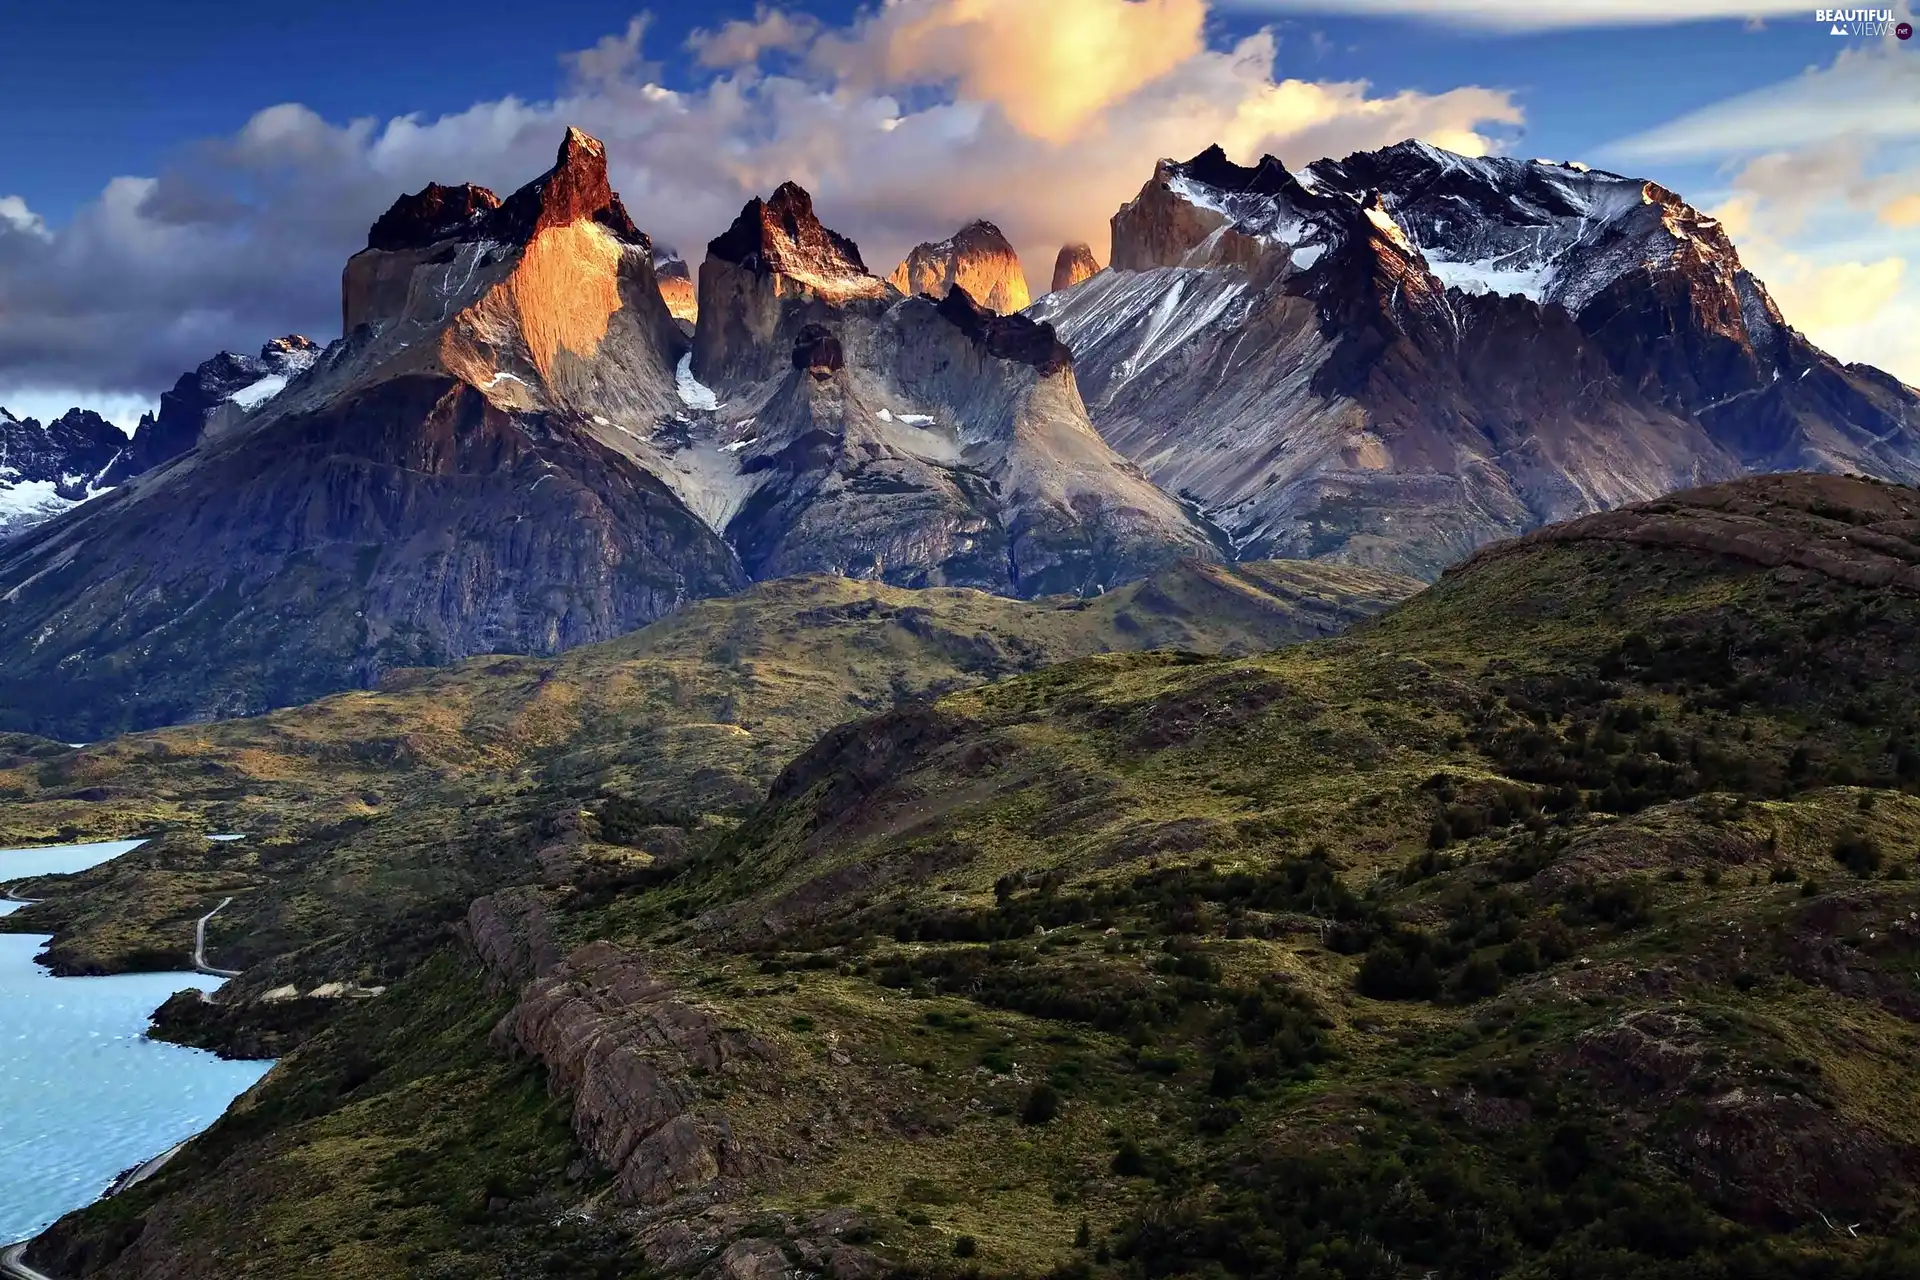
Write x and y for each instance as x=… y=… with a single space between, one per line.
x=538 y=430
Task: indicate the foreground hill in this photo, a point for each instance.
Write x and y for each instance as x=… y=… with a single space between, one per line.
x=1559 y=923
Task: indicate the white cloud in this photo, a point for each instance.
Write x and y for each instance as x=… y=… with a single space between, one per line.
x=19 y=218
x=1538 y=15
x=904 y=124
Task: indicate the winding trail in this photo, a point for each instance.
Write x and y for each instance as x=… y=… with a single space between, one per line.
x=12 y=1266
x=6 y=891
x=200 y=945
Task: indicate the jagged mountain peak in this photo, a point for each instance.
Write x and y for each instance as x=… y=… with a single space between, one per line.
x=977 y=257
x=575 y=189
x=432 y=214
x=782 y=236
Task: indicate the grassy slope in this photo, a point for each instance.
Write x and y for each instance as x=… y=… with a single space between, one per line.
x=1557 y=924
x=375 y=816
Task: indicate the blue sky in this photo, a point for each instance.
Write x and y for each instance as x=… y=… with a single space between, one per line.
x=183 y=176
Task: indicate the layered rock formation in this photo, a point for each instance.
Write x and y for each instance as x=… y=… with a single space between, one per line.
x=977 y=258
x=1074 y=263
x=1402 y=355
x=919 y=441
x=467 y=471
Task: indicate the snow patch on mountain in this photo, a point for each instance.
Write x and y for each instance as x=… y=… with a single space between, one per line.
x=255 y=394
x=694 y=393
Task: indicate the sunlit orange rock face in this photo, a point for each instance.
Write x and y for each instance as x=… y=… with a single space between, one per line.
x=978 y=258
x=676 y=286
x=546 y=300
x=1074 y=263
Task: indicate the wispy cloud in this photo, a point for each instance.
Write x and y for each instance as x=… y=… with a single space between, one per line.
x=1869 y=91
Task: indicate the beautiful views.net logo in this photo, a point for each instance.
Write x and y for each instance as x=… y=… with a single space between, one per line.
x=1862 y=22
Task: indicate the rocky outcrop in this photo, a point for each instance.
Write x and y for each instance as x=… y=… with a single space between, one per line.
x=1397 y=357
x=512 y=933
x=977 y=258
x=1074 y=263
x=625 y=1048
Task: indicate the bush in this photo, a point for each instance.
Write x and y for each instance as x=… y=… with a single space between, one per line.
x=1858 y=853
x=1399 y=968
x=1041 y=1106
x=965 y=1247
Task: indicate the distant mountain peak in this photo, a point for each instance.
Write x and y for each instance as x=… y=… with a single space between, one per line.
x=978 y=258
x=1075 y=262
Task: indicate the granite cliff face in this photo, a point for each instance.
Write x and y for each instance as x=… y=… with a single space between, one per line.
x=1402 y=355
x=463 y=472
x=977 y=258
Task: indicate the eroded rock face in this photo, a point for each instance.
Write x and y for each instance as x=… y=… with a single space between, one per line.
x=1074 y=263
x=977 y=258
x=924 y=442
x=625 y=1048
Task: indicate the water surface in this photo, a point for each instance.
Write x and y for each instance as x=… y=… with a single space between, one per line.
x=83 y=1093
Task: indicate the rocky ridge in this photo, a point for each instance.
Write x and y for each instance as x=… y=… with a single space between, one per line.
x=47 y=468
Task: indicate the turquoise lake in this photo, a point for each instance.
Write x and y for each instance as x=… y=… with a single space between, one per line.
x=83 y=1093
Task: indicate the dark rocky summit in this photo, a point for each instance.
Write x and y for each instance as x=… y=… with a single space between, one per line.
x=432 y=214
